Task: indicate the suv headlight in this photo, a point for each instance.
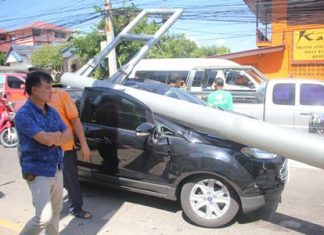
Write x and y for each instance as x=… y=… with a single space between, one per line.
x=257 y=153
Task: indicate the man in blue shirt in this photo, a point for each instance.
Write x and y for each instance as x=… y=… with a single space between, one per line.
x=41 y=132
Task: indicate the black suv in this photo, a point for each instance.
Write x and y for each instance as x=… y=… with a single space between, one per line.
x=137 y=150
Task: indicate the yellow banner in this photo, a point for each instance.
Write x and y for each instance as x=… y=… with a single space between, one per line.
x=308 y=46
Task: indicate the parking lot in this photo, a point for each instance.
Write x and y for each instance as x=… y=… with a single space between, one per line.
x=120 y=212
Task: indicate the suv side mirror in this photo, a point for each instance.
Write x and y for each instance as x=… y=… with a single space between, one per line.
x=145 y=129
x=251 y=85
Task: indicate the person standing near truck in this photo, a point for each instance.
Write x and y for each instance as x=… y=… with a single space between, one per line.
x=220 y=98
x=67 y=110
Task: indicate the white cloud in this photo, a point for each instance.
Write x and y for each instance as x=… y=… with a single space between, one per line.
x=192 y=38
x=220 y=42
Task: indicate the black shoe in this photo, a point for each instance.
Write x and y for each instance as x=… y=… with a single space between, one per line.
x=81 y=214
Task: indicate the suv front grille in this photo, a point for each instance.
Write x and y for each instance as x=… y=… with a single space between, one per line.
x=283 y=173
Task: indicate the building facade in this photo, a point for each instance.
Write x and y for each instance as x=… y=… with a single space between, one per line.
x=35 y=34
x=290 y=38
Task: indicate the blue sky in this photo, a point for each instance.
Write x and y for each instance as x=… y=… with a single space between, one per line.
x=207 y=22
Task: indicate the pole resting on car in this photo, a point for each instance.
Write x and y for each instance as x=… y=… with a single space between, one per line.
x=303 y=147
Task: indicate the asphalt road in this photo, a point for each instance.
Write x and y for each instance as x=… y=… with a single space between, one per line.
x=119 y=212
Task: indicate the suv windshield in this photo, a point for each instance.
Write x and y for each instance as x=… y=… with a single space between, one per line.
x=183 y=95
x=163 y=89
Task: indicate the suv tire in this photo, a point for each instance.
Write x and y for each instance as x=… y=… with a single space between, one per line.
x=209 y=201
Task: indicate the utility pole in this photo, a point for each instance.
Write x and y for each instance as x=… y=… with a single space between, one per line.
x=112 y=63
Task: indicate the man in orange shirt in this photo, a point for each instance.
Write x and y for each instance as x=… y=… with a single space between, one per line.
x=67 y=110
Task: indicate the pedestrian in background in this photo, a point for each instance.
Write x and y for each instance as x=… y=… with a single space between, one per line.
x=41 y=131
x=220 y=98
x=67 y=110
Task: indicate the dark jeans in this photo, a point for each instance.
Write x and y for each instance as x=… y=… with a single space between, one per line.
x=71 y=180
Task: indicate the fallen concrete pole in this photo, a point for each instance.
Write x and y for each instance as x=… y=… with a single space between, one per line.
x=303 y=147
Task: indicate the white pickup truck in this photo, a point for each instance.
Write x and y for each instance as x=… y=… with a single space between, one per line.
x=291 y=103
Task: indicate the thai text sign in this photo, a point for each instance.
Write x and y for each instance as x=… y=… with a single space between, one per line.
x=308 y=46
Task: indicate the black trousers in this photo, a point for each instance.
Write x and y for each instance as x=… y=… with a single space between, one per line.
x=71 y=180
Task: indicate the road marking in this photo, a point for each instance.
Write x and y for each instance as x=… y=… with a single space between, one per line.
x=10 y=225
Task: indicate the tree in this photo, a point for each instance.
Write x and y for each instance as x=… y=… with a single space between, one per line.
x=206 y=51
x=49 y=58
x=87 y=46
x=170 y=46
x=175 y=46
x=2 y=58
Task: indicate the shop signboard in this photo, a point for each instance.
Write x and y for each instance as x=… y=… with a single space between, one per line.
x=308 y=46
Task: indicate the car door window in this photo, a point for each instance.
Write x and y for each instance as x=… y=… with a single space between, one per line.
x=130 y=113
x=198 y=79
x=237 y=77
x=177 y=76
x=210 y=78
x=284 y=94
x=14 y=82
x=230 y=77
x=312 y=94
x=204 y=78
x=160 y=76
x=113 y=111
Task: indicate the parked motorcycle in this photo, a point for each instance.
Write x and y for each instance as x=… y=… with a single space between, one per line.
x=8 y=132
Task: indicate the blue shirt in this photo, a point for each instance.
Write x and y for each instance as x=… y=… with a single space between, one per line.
x=36 y=158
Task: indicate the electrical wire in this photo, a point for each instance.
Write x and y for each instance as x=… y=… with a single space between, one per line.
x=224 y=13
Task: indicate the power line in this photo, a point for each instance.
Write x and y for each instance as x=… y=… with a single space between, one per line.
x=224 y=13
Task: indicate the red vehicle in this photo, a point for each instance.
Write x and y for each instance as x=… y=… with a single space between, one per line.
x=8 y=133
x=12 y=86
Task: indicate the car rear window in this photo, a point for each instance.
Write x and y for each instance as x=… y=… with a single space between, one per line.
x=312 y=94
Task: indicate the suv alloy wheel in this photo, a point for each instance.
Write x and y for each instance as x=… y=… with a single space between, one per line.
x=208 y=201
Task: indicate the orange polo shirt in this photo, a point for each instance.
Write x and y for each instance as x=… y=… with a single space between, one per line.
x=67 y=110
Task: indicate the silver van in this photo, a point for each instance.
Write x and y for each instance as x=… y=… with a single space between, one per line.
x=197 y=75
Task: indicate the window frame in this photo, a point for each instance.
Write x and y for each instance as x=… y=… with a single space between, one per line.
x=17 y=79
x=87 y=113
x=292 y=94
x=36 y=32
x=311 y=94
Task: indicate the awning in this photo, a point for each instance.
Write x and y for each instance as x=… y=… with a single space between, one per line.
x=260 y=51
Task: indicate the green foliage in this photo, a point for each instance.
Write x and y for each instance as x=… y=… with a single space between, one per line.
x=100 y=73
x=175 y=46
x=87 y=46
x=2 y=58
x=170 y=46
x=126 y=50
x=206 y=51
x=48 y=58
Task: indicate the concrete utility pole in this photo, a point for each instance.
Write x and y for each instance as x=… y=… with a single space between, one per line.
x=112 y=63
